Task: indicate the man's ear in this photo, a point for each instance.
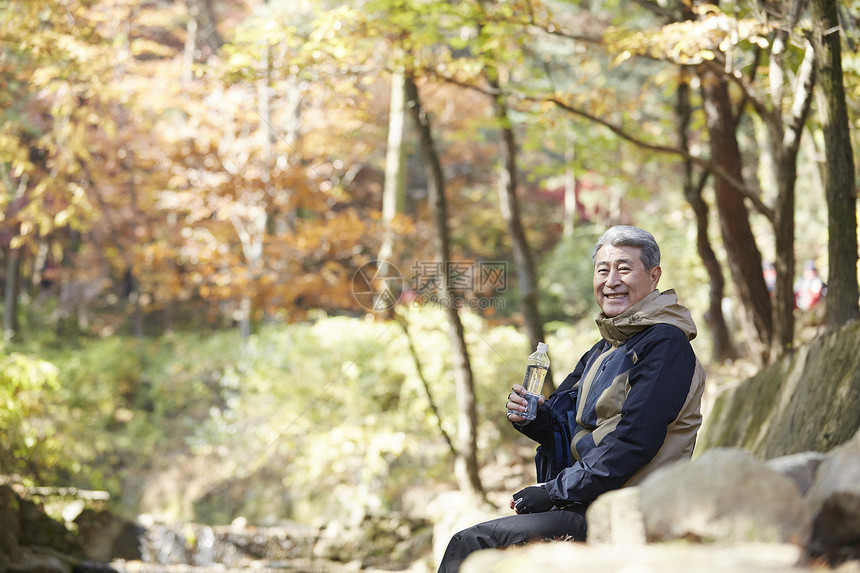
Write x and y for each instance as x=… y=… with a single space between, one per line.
x=655 y=273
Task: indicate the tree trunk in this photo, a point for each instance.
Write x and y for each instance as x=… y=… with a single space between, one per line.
x=723 y=348
x=785 y=137
x=785 y=173
x=207 y=38
x=842 y=287
x=190 y=47
x=419 y=371
x=10 y=293
x=571 y=200
x=783 y=224
x=253 y=227
x=394 y=188
x=527 y=280
x=744 y=258
x=466 y=460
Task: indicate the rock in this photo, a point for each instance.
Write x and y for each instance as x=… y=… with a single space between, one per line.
x=454 y=511
x=38 y=528
x=10 y=527
x=615 y=518
x=807 y=401
x=127 y=542
x=800 y=468
x=565 y=556
x=103 y=536
x=834 y=500
x=41 y=560
x=724 y=495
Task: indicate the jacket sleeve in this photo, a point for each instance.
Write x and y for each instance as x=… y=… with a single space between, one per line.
x=659 y=382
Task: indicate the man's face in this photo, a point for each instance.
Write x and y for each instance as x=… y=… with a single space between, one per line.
x=620 y=279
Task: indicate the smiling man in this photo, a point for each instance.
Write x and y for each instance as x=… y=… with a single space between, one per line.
x=631 y=405
x=622 y=277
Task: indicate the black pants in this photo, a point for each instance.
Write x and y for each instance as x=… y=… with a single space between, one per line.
x=513 y=530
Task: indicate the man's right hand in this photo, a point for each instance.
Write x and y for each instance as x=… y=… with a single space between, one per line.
x=517 y=403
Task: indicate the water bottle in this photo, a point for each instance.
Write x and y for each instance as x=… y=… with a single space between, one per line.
x=533 y=382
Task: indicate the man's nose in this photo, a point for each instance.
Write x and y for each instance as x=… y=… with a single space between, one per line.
x=613 y=278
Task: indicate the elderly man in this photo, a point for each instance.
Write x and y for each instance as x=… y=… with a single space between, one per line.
x=631 y=405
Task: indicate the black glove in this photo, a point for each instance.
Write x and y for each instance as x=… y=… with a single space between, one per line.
x=533 y=499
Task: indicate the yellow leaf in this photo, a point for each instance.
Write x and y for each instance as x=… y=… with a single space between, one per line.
x=623 y=57
x=61 y=218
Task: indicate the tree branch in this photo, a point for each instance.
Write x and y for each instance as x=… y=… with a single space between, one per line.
x=401 y=320
x=806 y=78
x=754 y=195
x=751 y=194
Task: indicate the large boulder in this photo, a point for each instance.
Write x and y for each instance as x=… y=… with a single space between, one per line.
x=615 y=518
x=563 y=557
x=40 y=529
x=40 y=560
x=453 y=511
x=834 y=500
x=807 y=401
x=800 y=468
x=726 y=496
x=10 y=523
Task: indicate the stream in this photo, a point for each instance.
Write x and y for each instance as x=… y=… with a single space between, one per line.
x=65 y=530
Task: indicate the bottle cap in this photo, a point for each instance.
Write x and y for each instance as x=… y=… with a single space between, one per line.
x=542 y=347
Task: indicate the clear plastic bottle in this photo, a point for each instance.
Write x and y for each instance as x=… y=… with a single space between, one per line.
x=533 y=382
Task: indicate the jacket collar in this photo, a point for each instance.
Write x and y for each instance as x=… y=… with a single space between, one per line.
x=656 y=308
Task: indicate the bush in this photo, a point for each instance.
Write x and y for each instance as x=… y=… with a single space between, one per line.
x=29 y=444
x=331 y=413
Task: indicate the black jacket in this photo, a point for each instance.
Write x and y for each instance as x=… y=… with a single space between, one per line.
x=632 y=404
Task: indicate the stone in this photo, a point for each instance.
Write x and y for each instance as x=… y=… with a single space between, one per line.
x=800 y=468
x=807 y=401
x=566 y=556
x=10 y=526
x=103 y=536
x=615 y=518
x=39 y=561
x=453 y=511
x=724 y=495
x=834 y=501
x=39 y=529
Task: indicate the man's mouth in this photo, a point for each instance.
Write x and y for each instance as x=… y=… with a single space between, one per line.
x=612 y=296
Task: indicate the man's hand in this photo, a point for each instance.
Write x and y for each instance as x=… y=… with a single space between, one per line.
x=533 y=499
x=517 y=403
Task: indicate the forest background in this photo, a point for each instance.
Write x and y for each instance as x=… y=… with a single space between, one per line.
x=278 y=259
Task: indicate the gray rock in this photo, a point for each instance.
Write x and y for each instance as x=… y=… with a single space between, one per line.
x=39 y=560
x=562 y=556
x=800 y=468
x=10 y=527
x=724 y=495
x=808 y=400
x=834 y=500
x=615 y=518
x=454 y=511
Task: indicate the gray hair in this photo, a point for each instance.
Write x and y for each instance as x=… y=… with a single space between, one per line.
x=627 y=236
